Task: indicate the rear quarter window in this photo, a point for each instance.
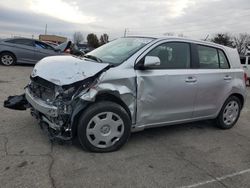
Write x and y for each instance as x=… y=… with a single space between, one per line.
x=223 y=60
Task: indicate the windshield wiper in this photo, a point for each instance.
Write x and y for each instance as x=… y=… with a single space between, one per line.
x=94 y=58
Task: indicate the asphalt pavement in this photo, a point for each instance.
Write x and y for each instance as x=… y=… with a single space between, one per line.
x=187 y=155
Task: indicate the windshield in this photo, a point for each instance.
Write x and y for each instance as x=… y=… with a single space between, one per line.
x=117 y=51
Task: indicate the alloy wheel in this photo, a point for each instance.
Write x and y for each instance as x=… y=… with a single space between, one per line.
x=7 y=59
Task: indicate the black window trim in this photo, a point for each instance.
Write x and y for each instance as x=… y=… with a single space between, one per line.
x=139 y=64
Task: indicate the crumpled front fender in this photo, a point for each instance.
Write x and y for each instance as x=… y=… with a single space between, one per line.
x=122 y=88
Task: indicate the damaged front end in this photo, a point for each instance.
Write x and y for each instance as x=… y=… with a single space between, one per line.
x=53 y=106
x=54 y=97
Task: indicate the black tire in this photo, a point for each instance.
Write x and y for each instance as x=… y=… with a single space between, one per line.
x=220 y=121
x=92 y=111
x=8 y=54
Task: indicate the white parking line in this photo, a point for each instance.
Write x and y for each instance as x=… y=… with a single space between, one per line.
x=217 y=179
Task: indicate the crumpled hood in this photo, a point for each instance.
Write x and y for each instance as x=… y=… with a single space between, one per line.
x=65 y=70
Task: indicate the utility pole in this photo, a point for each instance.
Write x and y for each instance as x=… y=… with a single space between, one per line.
x=206 y=37
x=45 y=29
x=125 y=32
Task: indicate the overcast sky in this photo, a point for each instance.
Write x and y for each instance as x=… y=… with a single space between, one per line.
x=193 y=18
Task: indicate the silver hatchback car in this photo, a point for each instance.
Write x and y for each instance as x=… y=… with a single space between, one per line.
x=131 y=84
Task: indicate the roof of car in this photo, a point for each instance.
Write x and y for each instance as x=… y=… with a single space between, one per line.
x=181 y=39
x=21 y=38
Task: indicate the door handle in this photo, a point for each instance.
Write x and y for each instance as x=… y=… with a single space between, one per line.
x=227 y=77
x=245 y=67
x=191 y=79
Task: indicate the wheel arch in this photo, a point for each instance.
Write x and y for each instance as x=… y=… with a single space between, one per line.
x=102 y=96
x=7 y=51
x=240 y=97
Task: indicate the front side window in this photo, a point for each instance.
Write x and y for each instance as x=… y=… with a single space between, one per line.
x=208 y=57
x=172 y=55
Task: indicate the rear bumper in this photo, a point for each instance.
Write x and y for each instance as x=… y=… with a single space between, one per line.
x=40 y=105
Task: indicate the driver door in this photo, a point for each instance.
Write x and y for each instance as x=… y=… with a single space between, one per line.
x=166 y=92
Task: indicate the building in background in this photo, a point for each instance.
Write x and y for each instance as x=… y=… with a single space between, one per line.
x=53 y=38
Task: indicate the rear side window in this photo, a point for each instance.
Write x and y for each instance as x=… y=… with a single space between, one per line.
x=212 y=58
x=173 y=55
x=208 y=57
x=248 y=60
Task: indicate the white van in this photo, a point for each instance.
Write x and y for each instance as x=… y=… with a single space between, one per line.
x=245 y=61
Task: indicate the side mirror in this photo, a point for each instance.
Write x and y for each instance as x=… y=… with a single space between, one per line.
x=151 y=61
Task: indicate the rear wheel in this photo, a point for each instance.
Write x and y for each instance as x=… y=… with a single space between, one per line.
x=7 y=59
x=104 y=127
x=229 y=113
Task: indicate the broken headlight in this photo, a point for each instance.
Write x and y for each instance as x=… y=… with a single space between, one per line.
x=69 y=92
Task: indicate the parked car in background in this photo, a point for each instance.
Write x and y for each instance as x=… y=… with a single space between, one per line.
x=30 y=51
x=70 y=48
x=85 y=48
x=131 y=84
x=23 y=50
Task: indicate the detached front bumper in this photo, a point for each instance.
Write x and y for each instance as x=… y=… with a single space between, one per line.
x=40 y=105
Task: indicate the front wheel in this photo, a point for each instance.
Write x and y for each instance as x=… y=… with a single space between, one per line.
x=229 y=113
x=104 y=127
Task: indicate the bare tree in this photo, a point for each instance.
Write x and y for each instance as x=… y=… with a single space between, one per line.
x=78 y=37
x=241 y=42
x=169 y=34
x=104 y=39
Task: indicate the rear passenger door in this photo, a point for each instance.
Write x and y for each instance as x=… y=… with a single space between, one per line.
x=23 y=50
x=214 y=79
